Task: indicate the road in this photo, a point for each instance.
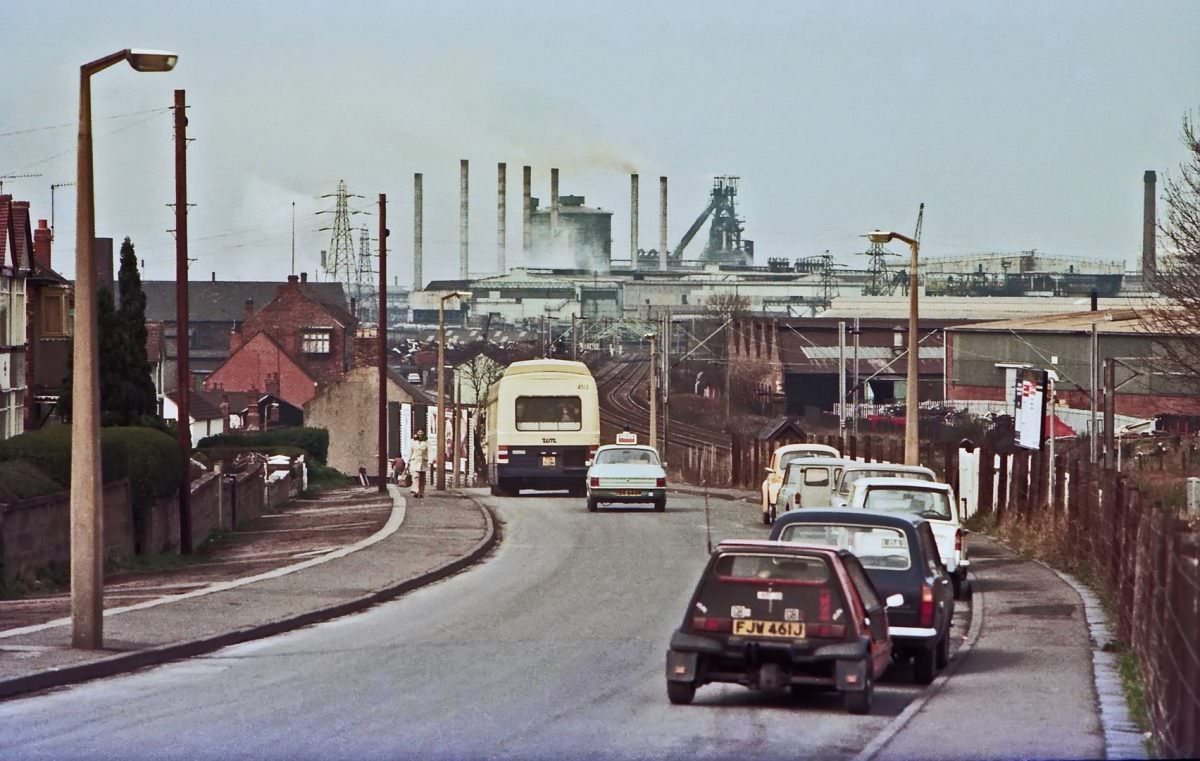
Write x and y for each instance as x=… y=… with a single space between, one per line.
x=553 y=648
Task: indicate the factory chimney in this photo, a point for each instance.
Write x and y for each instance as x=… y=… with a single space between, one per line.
x=1149 y=223
x=553 y=205
x=501 y=217
x=662 y=223
x=418 y=233
x=463 y=222
x=526 y=212
x=633 y=219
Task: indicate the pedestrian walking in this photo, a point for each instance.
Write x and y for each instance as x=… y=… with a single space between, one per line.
x=418 y=461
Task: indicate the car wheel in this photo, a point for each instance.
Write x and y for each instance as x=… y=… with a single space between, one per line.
x=859 y=702
x=660 y=505
x=681 y=693
x=962 y=587
x=943 y=650
x=924 y=668
x=495 y=490
x=591 y=504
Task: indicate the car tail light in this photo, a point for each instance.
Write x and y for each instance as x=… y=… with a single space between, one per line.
x=926 y=605
x=502 y=454
x=958 y=541
x=796 y=499
x=594 y=482
x=827 y=631
x=824 y=606
x=661 y=483
x=706 y=624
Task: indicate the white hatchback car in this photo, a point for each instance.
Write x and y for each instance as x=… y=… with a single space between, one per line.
x=932 y=501
x=779 y=462
x=857 y=470
x=626 y=473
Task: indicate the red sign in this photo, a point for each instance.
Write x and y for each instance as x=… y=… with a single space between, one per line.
x=626 y=437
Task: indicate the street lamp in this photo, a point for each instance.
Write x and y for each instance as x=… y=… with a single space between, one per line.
x=441 y=385
x=911 y=448
x=87 y=535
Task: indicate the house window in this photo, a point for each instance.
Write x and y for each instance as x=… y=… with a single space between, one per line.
x=315 y=341
x=54 y=314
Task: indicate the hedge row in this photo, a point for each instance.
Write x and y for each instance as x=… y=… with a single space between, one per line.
x=20 y=479
x=314 y=441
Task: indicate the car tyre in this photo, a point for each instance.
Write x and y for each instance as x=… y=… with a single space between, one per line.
x=962 y=587
x=943 y=650
x=681 y=693
x=660 y=505
x=591 y=504
x=925 y=664
x=859 y=702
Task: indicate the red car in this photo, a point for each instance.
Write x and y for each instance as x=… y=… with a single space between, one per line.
x=769 y=615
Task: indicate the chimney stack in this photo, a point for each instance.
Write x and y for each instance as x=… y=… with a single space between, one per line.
x=418 y=234
x=41 y=244
x=303 y=277
x=214 y=276
x=1149 y=224
x=633 y=219
x=553 y=205
x=501 y=217
x=526 y=211
x=463 y=222
x=662 y=223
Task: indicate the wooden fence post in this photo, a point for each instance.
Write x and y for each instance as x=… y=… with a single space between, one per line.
x=1002 y=488
x=987 y=479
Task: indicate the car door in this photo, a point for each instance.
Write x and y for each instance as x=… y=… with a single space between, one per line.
x=877 y=628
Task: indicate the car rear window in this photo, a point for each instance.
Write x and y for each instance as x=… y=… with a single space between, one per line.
x=877 y=547
x=853 y=475
x=923 y=502
x=772 y=588
x=790 y=568
x=626 y=457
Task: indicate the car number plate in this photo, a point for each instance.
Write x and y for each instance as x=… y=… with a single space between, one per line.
x=548 y=461
x=751 y=628
x=628 y=493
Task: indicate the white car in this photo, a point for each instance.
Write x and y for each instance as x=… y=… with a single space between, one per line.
x=779 y=462
x=623 y=473
x=808 y=482
x=857 y=470
x=932 y=501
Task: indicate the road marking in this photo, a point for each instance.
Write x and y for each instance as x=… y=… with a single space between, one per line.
x=399 y=507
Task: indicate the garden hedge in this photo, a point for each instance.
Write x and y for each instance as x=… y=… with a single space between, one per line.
x=314 y=441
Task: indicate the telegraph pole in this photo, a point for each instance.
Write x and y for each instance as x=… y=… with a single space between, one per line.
x=666 y=382
x=183 y=381
x=382 y=322
x=653 y=393
x=842 y=382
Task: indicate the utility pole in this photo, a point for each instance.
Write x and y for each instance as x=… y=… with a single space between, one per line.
x=455 y=430
x=653 y=393
x=1110 y=411
x=666 y=382
x=383 y=322
x=857 y=390
x=574 y=337
x=183 y=380
x=842 y=383
x=1094 y=433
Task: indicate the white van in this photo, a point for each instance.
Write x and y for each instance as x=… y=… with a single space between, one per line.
x=808 y=482
x=779 y=462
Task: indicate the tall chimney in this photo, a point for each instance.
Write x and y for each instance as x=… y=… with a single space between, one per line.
x=463 y=220
x=662 y=223
x=501 y=217
x=553 y=205
x=1149 y=221
x=526 y=211
x=633 y=219
x=41 y=244
x=418 y=221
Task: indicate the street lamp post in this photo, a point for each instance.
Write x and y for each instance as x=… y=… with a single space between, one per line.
x=911 y=447
x=87 y=536
x=440 y=454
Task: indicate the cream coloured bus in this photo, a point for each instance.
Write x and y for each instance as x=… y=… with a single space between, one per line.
x=543 y=427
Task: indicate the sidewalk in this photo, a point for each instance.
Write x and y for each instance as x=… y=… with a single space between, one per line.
x=1022 y=687
x=421 y=541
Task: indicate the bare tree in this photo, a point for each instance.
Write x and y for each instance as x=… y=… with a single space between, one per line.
x=727 y=304
x=1177 y=320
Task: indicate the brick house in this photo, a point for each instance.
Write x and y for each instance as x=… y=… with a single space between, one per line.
x=16 y=256
x=291 y=347
x=50 y=303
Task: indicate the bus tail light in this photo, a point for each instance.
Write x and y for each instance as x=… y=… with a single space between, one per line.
x=502 y=455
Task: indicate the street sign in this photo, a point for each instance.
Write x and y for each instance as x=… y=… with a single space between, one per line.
x=1029 y=417
x=626 y=437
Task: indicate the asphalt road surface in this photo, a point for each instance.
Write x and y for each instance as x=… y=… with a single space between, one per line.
x=553 y=648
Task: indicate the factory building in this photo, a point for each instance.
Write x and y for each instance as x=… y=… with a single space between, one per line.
x=576 y=236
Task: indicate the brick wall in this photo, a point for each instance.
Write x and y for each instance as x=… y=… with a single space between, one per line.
x=753 y=351
x=1136 y=405
x=36 y=534
x=285 y=319
x=259 y=362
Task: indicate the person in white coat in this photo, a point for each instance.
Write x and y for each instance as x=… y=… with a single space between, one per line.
x=418 y=461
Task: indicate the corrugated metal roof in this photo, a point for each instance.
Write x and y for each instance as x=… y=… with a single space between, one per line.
x=967 y=308
x=885 y=353
x=1107 y=321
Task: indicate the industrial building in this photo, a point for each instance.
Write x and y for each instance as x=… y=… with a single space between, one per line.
x=574 y=235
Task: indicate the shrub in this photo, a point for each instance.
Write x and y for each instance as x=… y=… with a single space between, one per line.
x=314 y=441
x=21 y=479
x=152 y=463
x=50 y=450
x=324 y=476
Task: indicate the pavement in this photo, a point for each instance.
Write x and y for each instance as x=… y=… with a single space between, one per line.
x=1021 y=685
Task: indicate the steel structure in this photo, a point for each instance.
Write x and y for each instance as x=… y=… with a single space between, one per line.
x=725 y=243
x=364 y=290
x=342 y=264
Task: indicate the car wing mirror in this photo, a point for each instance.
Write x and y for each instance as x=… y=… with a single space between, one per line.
x=894 y=601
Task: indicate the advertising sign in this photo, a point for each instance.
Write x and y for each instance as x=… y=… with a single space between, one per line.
x=1029 y=415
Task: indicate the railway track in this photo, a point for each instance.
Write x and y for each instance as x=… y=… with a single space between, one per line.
x=622 y=390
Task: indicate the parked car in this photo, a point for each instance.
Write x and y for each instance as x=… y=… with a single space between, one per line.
x=626 y=474
x=808 y=482
x=768 y=615
x=779 y=462
x=933 y=501
x=856 y=470
x=900 y=555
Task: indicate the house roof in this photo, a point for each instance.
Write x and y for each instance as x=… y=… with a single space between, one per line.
x=16 y=243
x=200 y=405
x=418 y=394
x=1107 y=322
x=224 y=300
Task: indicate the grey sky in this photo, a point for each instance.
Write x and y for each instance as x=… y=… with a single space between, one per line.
x=1019 y=124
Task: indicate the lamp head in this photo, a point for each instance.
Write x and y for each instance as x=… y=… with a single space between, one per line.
x=880 y=236
x=152 y=60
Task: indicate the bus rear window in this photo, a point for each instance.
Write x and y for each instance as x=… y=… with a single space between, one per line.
x=549 y=413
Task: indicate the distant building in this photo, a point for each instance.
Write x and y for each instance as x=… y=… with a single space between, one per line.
x=16 y=259
x=582 y=238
